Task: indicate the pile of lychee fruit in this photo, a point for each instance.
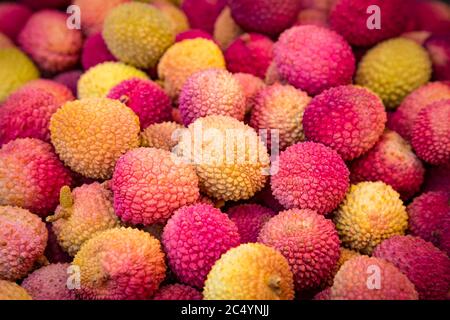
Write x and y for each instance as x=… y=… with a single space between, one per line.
x=225 y=150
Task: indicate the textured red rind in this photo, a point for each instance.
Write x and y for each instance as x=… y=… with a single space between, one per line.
x=314 y=58
x=425 y=265
x=309 y=242
x=310 y=176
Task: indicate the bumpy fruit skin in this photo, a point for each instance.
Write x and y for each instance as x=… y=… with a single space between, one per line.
x=193 y=34
x=203 y=13
x=438 y=47
x=52 y=45
x=195 y=238
x=184 y=59
x=357 y=33
x=250 y=53
x=150 y=184
x=429 y=218
x=226 y=29
x=310 y=176
x=23 y=236
x=49 y=283
x=94 y=13
x=61 y=92
x=351 y=281
x=26 y=114
x=314 y=59
x=145 y=98
x=81 y=214
x=230 y=160
x=370 y=213
x=309 y=242
x=251 y=271
x=425 y=265
x=90 y=135
x=402 y=120
x=95 y=52
x=137 y=34
x=69 y=79
x=161 y=135
x=16 y=69
x=437 y=179
x=264 y=16
x=431 y=133
x=177 y=292
x=99 y=80
x=13 y=17
x=393 y=69
x=393 y=162
x=211 y=92
x=31 y=175
x=250 y=86
x=12 y=291
x=280 y=107
x=348 y=119
x=120 y=264
x=249 y=219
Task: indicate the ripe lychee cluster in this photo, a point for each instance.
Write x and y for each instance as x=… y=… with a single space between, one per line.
x=224 y=149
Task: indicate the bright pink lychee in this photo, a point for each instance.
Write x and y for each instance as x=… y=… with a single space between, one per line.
x=250 y=53
x=13 y=17
x=425 y=265
x=310 y=176
x=309 y=242
x=429 y=218
x=145 y=98
x=26 y=114
x=431 y=133
x=350 y=18
x=348 y=119
x=392 y=161
x=264 y=16
x=195 y=238
x=314 y=59
x=402 y=120
x=31 y=176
